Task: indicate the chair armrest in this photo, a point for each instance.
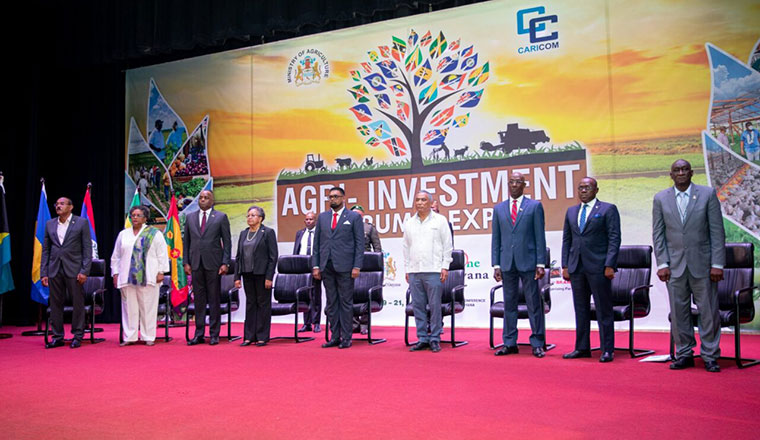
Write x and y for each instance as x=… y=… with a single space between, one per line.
x=744 y=291
x=302 y=289
x=372 y=290
x=636 y=289
x=545 y=289
x=408 y=295
x=234 y=292
x=493 y=290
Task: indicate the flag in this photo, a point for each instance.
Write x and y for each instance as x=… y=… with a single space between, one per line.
x=399 y=49
x=452 y=82
x=412 y=40
x=385 y=51
x=40 y=293
x=359 y=92
x=438 y=46
x=6 y=277
x=88 y=215
x=426 y=39
x=478 y=76
x=469 y=63
x=373 y=56
x=364 y=130
x=396 y=146
x=423 y=74
x=388 y=68
x=380 y=130
x=442 y=117
x=398 y=90
x=470 y=99
x=367 y=67
x=447 y=64
x=455 y=45
x=428 y=94
x=355 y=75
x=135 y=202
x=467 y=52
x=362 y=112
x=435 y=137
x=402 y=110
x=413 y=59
x=376 y=81
x=173 y=235
x=461 y=121
x=373 y=142
x=384 y=101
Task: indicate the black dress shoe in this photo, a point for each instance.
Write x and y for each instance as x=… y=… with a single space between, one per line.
x=539 y=352
x=435 y=346
x=507 y=350
x=682 y=363
x=576 y=354
x=607 y=357
x=196 y=340
x=420 y=346
x=76 y=343
x=55 y=343
x=214 y=341
x=317 y=328
x=304 y=328
x=261 y=343
x=345 y=344
x=712 y=366
x=246 y=343
x=332 y=343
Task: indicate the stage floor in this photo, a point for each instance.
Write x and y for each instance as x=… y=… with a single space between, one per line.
x=301 y=391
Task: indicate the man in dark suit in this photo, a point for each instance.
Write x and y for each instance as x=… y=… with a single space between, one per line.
x=207 y=258
x=518 y=252
x=590 y=246
x=66 y=261
x=304 y=245
x=339 y=252
x=689 y=244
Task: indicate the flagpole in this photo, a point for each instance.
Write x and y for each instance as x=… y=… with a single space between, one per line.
x=39 y=331
x=88 y=329
x=3 y=335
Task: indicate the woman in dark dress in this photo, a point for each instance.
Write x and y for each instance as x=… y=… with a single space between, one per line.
x=255 y=263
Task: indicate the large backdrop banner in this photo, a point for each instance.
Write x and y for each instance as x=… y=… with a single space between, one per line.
x=452 y=102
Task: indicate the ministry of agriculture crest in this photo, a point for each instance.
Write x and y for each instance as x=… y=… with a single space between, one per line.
x=310 y=66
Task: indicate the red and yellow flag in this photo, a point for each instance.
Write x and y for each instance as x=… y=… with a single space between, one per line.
x=173 y=236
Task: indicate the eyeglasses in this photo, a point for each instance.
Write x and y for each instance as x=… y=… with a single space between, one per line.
x=335 y=196
x=516 y=182
x=136 y=215
x=584 y=188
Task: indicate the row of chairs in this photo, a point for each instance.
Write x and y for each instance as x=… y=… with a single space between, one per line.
x=630 y=296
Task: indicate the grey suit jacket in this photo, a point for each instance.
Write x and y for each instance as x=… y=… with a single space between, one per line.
x=698 y=242
x=524 y=242
x=212 y=248
x=73 y=256
x=344 y=245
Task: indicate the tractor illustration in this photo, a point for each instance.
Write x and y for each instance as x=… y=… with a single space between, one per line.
x=314 y=164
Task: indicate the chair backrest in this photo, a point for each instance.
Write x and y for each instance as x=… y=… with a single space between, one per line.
x=371 y=275
x=97 y=277
x=226 y=284
x=293 y=272
x=634 y=270
x=738 y=273
x=455 y=278
x=543 y=282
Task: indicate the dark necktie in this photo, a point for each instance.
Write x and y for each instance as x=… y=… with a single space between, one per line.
x=308 y=243
x=582 y=223
x=203 y=223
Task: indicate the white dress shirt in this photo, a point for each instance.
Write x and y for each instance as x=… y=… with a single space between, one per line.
x=62 y=228
x=200 y=216
x=157 y=259
x=427 y=243
x=589 y=208
x=305 y=241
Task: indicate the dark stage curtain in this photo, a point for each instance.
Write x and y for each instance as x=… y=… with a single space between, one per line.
x=64 y=63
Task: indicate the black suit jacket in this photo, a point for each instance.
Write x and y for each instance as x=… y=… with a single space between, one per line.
x=299 y=236
x=212 y=248
x=73 y=256
x=344 y=245
x=597 y=246
x=264 y=253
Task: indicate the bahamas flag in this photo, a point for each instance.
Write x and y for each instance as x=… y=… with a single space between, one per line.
x=87 y=213
x=173 y=236
x=135 y=202
x=40 y=293
x=6 y=278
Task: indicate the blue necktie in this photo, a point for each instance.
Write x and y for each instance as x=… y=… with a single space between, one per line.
x=583 y=217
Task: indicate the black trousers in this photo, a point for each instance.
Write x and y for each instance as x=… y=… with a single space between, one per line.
x=584 y=285
x=207 y=290
x=314 y=315
x=339 y=289
x=258 y=308
x=62 y=286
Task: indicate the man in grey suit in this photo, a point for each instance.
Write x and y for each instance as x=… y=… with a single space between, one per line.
x=66 y=261
x=338 y=257
x=590 y=247
x=689 y=244
x=207 y=258
x=518 y=253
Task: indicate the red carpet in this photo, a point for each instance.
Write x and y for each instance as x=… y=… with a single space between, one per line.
x=302 y=391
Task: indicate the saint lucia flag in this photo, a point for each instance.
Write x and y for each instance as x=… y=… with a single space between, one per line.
x=40 y=293
x=6 y=277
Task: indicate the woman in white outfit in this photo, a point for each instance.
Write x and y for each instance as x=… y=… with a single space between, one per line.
x=138 y=264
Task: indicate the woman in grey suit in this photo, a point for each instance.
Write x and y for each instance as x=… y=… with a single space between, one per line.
x=255 y=263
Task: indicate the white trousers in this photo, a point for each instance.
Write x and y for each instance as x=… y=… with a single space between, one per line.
x=139 y=306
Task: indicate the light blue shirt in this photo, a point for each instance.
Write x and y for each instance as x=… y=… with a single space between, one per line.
x=749 y=137
x=157 y=140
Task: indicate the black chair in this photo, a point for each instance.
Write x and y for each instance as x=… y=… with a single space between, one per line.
x=94 y=289
x=630 y=292
x=497 y=307
x=292 y=290
x=735 y=303
x=452 y=299
x=229 y=302
x=368 y=294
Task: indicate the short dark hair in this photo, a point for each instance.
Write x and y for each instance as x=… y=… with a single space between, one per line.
x=260 y=211
x=145 y=211
x=748 y=123
x=339 y=189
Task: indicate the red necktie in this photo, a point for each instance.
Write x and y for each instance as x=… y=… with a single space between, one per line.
x=203 y=222
x=335 y=220
x=514 y=211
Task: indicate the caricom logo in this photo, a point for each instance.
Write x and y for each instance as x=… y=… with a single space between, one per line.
x=536 y=23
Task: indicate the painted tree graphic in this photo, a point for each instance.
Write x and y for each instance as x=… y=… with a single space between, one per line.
x=414 y=92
